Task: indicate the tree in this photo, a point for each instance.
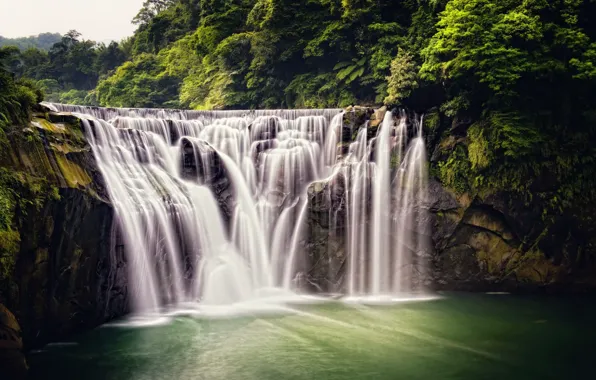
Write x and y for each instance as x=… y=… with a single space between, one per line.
x=35 y=63
x=17 y=97
x=72 y=62
x=138 y=83
x=517 y=48
x=109 y=57
x=149 y=10
x=403 y=79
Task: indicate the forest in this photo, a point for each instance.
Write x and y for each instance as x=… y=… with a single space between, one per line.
x=43 y=41
x=507 y=86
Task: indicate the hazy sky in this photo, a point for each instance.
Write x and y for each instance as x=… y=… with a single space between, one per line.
x=96 y=19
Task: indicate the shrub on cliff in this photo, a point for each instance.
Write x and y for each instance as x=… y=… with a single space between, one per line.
x=16 y=96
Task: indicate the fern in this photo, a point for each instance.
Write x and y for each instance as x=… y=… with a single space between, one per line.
x=350 y=71
x=343 y=74
x=341 y=65
x=355 y=75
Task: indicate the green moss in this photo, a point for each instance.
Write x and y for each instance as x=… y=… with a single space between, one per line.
x=7 y=202
x=533 y=267
x=18 y=188
x=479 y=152
x=9 y=249
x=455 y=171
x=74 y=175
x=431 y=122
x=492 y=158
x=64 y=127
x=46 y=125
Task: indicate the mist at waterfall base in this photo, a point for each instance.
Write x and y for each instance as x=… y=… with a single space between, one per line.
x=163 y=169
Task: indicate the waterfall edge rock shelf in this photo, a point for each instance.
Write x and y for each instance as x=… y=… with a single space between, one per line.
x=64 y=270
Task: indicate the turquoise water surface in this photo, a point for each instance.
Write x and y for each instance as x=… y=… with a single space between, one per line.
x=458 y=336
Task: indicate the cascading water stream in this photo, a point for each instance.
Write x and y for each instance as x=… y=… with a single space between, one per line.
x=164 y=170
x=386 y=235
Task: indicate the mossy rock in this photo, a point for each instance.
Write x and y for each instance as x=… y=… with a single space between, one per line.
x=12 y=360
x=66 y=130
x=48 y=126
x=354 y=118
x=74 y=175
x=377 y=117
x=431 y=121
x=459 y=264
x=484 y=220
x=492 y=251
x=9 y=250
x=534 y=268
x=65 y=118
x=9 y=321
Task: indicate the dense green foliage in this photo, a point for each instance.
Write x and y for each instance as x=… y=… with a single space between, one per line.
x=518 y=83
x=265 y=53
x=17 y=96
x=511 y=82
x=18 y=191
x=242 y=54
x=43 y=41
x=70 y=69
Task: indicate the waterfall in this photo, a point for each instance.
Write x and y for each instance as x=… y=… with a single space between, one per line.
x=386 y=235
x=212 y=205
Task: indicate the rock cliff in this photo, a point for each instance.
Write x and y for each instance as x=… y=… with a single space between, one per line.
x=58 y=271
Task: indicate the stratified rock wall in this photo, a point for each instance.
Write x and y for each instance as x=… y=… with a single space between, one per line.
x=60 y=273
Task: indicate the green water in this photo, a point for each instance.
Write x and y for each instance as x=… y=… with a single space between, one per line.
x=456 y=337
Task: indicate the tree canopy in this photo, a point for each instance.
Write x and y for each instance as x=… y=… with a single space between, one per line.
x=43 y=41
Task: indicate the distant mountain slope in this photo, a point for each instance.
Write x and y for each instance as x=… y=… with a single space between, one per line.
x=43 y=41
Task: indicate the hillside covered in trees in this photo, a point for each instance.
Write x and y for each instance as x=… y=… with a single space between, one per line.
x=507 y=86
x=43 y=41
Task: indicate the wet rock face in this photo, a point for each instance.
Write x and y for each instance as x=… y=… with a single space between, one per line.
x=200 y=162
x=69 y=277
x=65 y=274
x=484 y=243
x=324 y=236
x=474 y=247
x=354 y=118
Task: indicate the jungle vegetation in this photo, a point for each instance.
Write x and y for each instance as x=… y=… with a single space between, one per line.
x=508 y=86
